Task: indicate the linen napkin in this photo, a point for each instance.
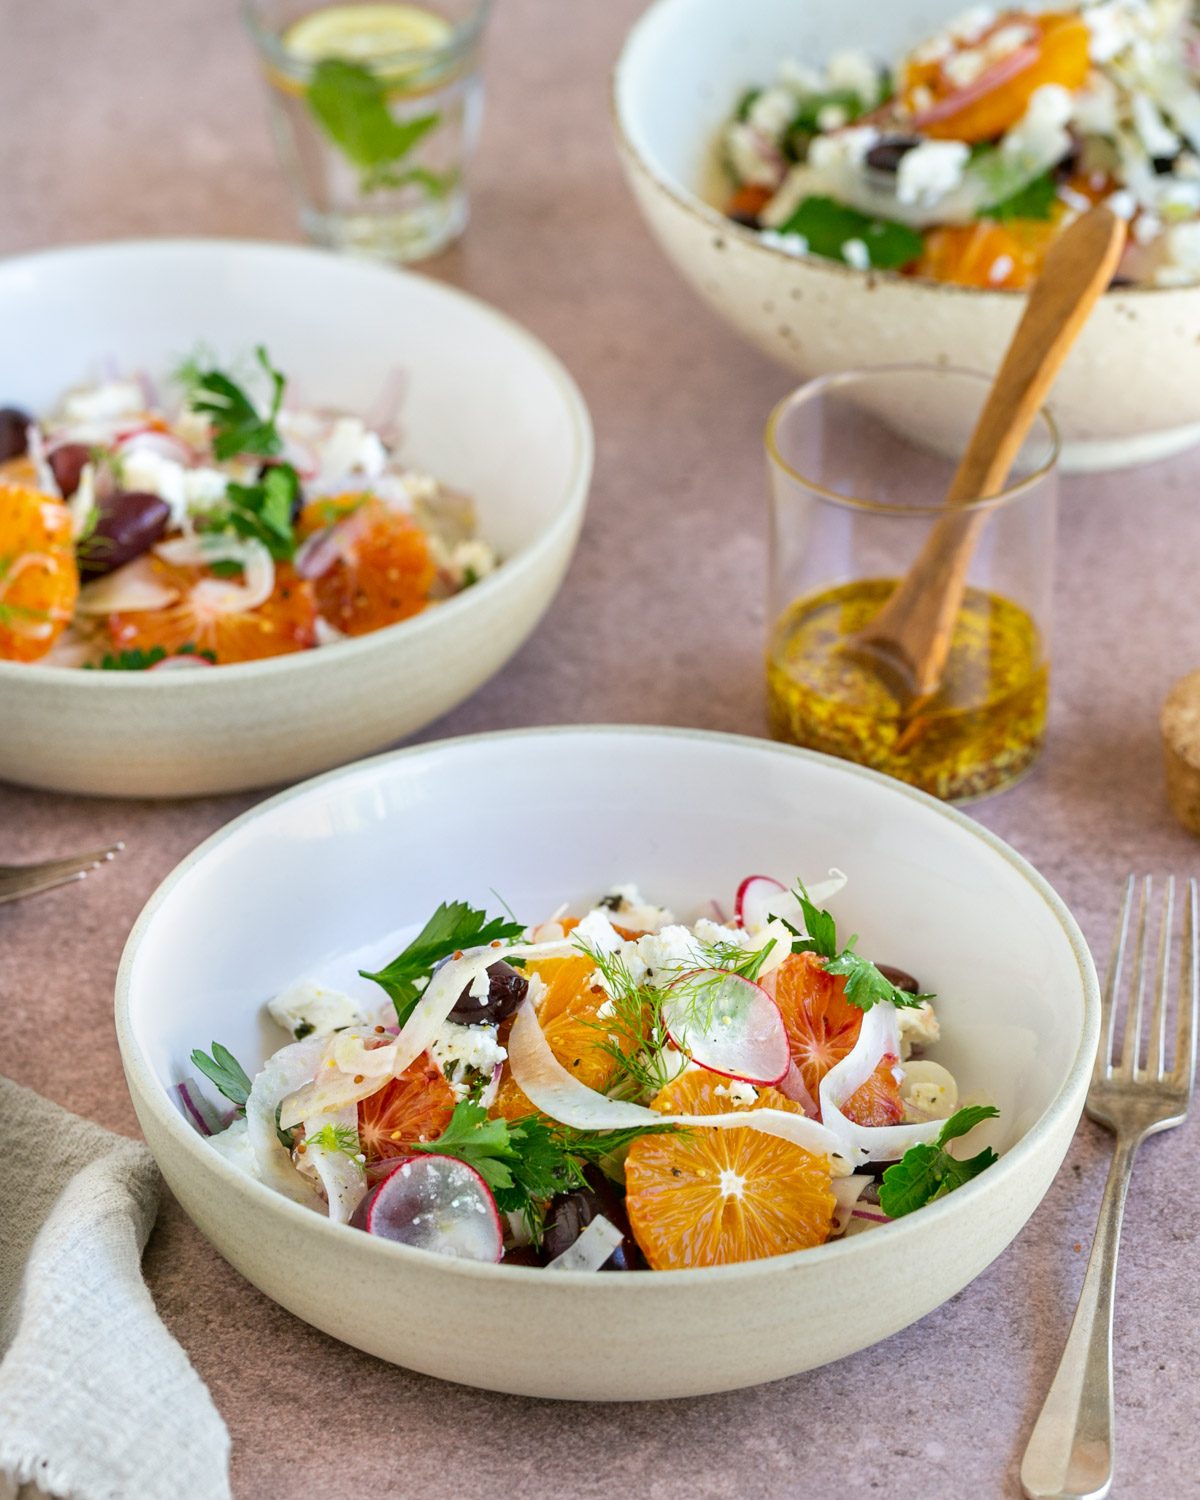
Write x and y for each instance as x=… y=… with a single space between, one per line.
x=97 y=1400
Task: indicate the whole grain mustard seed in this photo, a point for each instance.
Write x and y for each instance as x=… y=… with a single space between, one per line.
x=982 y=728
x=358 y=1077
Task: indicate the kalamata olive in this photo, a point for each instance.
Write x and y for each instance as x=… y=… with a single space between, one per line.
x=128 y=524
x=1164 y=165
x=14 y=432
x=886 y=155
x=506 y=990
x=66 y=464
x=899 y=978
x=570 y=1214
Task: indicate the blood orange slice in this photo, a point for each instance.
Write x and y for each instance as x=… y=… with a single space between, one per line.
x=286 y=622
x=822 y=1028
x=713 y=1197
x=414 y=1107
x=39 y=581
x=383 y=572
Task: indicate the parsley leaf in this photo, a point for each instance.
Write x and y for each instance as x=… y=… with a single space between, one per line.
x=262 y=511
x=237 y=426
x=1035 y=200
x=807 y=119
x=223 y=1069
x=865 y=984
x=927 y=1172
x=453 y=926
x=827 y=226
x=351 y=106
x=137 y=660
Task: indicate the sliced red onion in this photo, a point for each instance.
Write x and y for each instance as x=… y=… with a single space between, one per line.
x=991 y=78
x=589 y=1252
x=194 y=1107
x=318 y=553
x=728 y=1025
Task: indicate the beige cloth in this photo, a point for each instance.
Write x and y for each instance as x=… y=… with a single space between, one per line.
x=97 y=1400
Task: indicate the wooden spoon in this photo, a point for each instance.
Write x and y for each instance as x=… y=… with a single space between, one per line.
x=908 y=641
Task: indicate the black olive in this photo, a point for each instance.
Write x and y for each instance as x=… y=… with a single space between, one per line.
x=886 y=155
x=506 y=990
x=66 y=464
x=14 y=432
x=570 y=1214
x=899 y=978
x=127 y=524
x=747 y=221
x=1164 y=165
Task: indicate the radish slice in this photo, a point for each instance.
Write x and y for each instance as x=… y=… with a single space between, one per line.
x=559 y=1094
x=282 y=1073
x=435 y=1203
x=750 y=903
x=590 y=1251
x=878 y=1037
x=727 y=1024
x=182 y=661
x=126 y=590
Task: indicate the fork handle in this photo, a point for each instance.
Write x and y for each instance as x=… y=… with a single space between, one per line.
x=1070 y=1454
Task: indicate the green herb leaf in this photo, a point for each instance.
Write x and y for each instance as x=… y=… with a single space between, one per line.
x=828 y=226
x=927 y=1172
x=818 y=924
x=262 y=511
x=453 y=926
x=807 y=118
x=343 y=1138
x=223 y=1069
x=865 y=984
x=351 y=105
x=1034 y=201
x=237 y=426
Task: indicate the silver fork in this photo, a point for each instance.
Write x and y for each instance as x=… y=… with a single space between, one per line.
x=1070 y=1455
x=30 y=880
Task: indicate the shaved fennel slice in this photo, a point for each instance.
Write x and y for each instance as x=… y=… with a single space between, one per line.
x=786 y=905
x=224 y=596
x=593 y=1247
x=878 y=1037
x=233 y=1143
x=285 y=1071
x=846 y=1192
x=342 y=1178
x=126 y=590
x=559 y=1094
x=351 y=1069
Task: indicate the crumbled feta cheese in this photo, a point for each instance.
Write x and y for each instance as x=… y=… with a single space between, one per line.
x=1040 y=137
x=971 y=23
x=1006 y=40
x=1181 y=243
x=597 y=933
x=1122 y=203
x=1095 y=107
x=307 y=1008
x=933 y=50
x=852 y=69
x=740 y=1095
x=847 y=148
x=964 y=68
x=918 y=1026
x=1109 y=31
x=473 y=560
x=772 y=112
x=931 y=170
x=673 y=947
x=790 y=244
x=467 y=1055
x=627 y=903
x=1155 y=134
x=1146 y=228
x=148 y=470
x=929 y=1091
x=856 y=254
x=104 y=402
x=831 y=117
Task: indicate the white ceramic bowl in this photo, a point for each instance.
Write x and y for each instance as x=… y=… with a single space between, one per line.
x=549 y=815
x=485 y=407
x=1131 y=388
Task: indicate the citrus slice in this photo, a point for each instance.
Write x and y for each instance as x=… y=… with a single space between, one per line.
x=414 y=1107
x=39 y=580
x=822 y=1028
x=713 y=1197
x=286 y=622
x=365 y=34
x=570 y=1021
x=384 y=570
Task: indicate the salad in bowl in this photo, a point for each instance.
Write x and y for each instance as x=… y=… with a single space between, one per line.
x=213 y=525
x=617 y=1090
x=961 y=159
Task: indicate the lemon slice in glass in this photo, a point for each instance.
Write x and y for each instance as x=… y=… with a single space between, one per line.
x=365 y=34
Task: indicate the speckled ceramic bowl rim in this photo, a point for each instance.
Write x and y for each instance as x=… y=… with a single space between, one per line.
x=712 y=218
x=510 y=572
x=820 y=383
x=1067 y=1100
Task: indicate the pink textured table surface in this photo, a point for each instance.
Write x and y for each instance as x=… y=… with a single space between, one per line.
x=145 y=118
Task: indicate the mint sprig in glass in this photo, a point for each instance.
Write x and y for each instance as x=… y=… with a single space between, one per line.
x=375 y=109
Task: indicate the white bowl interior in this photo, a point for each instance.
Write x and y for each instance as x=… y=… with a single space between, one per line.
x=687 y=62
x=324 y=879
x=480 y=404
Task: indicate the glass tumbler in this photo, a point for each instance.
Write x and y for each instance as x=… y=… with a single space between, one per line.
x=375 y=109
x=859 y=464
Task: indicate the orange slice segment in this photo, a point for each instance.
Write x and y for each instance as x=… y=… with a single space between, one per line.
x=384 y=570
x=414 y=1107
x=286 y=622
x=714 y=1197
x=39 y=581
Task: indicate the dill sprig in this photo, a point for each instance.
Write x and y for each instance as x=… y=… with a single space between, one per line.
x=343 y=1138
